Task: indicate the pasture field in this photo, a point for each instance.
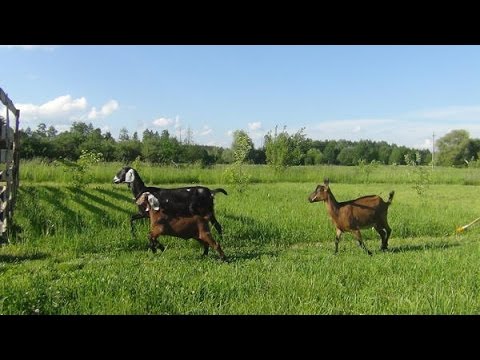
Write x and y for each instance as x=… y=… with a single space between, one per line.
x=73 y=252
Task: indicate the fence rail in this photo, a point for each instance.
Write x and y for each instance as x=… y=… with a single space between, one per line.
x=9 y=165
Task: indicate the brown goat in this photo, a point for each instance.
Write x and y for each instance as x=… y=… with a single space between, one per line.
x=184 y=227
x=354 y=215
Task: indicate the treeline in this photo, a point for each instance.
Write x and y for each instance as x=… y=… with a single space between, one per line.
x=455 y=148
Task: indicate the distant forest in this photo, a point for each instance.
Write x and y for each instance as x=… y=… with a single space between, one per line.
x=455 y=148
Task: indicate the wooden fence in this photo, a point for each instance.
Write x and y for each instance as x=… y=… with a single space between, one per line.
x=9 y=165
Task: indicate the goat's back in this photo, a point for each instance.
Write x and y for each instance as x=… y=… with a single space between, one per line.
x=362 y=212
x=185 y=201
x=365 y=201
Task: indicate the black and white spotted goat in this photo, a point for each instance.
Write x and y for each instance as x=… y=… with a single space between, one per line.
x=184 y=201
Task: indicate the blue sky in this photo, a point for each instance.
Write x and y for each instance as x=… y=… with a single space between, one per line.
x=399 y=94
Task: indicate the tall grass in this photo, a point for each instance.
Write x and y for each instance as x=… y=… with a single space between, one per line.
x=73 y=253
x=35 y=171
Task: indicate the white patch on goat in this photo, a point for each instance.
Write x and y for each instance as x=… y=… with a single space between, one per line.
x=200 y=190
x=116 y=179
x=189 y=189
x=129 y=176
x=154 y=203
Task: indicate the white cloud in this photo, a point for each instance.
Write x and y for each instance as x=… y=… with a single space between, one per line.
x=230 y=132
x=65 y=109
x=255 y=125
x=107 y=109
x=177 y=122
x=414 y=134
x=448 y=113
x=205 y=131
x=30 y=47
x=104 y=129
x=62 y=106
x=427 y=144
x=162 y=122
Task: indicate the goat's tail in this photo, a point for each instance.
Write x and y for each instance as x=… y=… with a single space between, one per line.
x=214 y=191
x=390 y=197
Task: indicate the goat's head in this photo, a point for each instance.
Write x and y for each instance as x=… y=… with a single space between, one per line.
x=320 y=193
x=125 y=175
x=148 y=201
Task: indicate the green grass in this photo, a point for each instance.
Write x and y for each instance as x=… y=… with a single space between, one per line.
x=74 y=254
x=38 y=172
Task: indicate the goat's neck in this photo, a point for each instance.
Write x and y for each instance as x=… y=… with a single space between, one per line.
x=332 y=204
x=137 y=186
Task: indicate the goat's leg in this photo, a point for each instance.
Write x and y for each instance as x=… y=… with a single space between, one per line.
x=337 y=240
x=358 y=235
x=382 y=231
x=132 y=219
x=205 y=245
x=216 y=224
x=207 y=238
x=205 y=249
x=154 y=243
x=389 y=231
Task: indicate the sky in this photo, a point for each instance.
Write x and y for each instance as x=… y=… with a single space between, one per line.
x=394 y=93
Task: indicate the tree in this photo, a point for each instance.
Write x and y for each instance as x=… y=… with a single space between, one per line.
x=123 y=136
x=241 y=141
x=283 y=149
x=276 y=149
x=384 y=152
x=397 y=156
x=51 y=132
x=241 y=147
x=331 y=152
x=453 y=148
x=313 y=157
x=41 y=130
x=348 y=156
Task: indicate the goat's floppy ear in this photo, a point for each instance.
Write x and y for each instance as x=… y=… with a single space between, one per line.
x=140 y=199
x=154 y=203
x=129 y=176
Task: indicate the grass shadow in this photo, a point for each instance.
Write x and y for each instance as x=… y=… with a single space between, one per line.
x=435 y=246
x=95 y=210
x=52 y=197
x=248 y=231
x=241 y=218
x=115 y=195
x=5 y=258
x=53 y=200
x=250 y=255
x=101 y=201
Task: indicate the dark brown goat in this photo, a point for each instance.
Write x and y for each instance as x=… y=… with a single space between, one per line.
x=354 y=215
x=184 y=227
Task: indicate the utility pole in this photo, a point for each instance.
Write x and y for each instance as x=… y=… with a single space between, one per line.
x=433 y=150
